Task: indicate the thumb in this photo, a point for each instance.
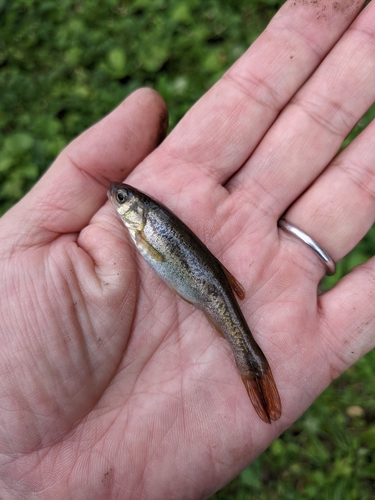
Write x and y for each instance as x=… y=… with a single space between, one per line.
x=106 y=152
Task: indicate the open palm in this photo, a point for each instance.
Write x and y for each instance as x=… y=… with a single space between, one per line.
x=111 y=385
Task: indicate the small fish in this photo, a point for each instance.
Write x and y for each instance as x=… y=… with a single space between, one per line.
x=189 y=268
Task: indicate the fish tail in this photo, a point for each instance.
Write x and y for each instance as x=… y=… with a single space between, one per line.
x=263 y=394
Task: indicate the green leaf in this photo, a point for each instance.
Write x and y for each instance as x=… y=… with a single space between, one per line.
x=117 y=61
x=5 y=164
x=18 y=143
x=182 y=14
x=367 y=438
x=153 y=59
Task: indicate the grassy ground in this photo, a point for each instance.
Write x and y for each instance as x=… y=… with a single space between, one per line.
x=63 y=65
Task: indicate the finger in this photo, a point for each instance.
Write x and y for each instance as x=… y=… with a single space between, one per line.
x=339 y=208
x=74 y=187
x=312 y=127
x=348 y=319
x=221 y=131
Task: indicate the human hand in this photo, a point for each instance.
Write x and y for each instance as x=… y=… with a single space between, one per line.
x=112 y=387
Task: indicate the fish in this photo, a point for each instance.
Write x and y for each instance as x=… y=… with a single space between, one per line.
x=188 y=267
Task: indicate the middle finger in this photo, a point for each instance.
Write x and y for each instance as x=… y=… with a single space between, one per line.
x=311 y=129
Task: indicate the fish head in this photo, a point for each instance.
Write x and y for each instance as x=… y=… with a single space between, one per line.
x=128 y=204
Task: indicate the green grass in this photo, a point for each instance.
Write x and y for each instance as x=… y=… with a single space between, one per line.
x=64 y=65
x=327 y=454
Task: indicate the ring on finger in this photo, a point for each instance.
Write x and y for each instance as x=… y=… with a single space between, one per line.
x=301 y=235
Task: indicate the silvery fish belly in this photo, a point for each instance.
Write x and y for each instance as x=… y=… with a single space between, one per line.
x=193 y=272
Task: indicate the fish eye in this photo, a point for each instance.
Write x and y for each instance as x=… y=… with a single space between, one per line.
x=120 y=197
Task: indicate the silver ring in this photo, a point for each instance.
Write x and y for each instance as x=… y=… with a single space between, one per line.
x=323 y=255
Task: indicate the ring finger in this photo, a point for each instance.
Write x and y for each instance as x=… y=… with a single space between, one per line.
x=339 y=208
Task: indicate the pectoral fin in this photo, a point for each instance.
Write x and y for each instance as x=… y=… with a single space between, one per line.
x=145 y=247
x=234 y=284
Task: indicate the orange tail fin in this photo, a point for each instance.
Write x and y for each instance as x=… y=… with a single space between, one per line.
x=264 y=395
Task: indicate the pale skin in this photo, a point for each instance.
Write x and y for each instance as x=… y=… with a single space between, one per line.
x=112 y=387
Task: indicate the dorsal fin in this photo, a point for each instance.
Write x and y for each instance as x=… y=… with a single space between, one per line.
x=234 y=284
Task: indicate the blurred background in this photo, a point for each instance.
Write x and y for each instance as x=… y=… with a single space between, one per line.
x=63 y=66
